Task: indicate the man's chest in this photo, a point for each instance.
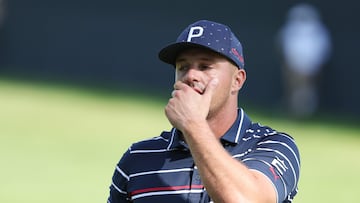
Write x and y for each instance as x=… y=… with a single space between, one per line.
x=174 y=179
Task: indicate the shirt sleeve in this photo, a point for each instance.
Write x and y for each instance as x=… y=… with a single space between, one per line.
x=277 y=157
x=118 y=191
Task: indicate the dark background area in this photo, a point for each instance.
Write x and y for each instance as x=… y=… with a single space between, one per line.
x=114 y=44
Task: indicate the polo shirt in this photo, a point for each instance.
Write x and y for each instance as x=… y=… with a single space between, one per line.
x=162 y=170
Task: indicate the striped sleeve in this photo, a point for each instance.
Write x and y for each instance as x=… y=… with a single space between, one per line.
x=118 y=192
x=277 y=157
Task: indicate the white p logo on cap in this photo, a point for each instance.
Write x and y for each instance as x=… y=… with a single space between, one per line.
x=195 y=32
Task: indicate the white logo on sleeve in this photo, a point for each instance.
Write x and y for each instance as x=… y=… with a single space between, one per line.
x=279 y=165
x=195 y=32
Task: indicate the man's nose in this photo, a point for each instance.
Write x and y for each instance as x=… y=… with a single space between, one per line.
x=193 y=74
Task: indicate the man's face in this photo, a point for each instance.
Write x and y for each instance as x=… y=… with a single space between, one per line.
x=197 y=67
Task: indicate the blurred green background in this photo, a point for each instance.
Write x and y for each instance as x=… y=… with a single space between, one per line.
x=61 y=144
x=114 y=44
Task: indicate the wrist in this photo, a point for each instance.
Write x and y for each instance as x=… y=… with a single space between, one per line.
x=197 y=130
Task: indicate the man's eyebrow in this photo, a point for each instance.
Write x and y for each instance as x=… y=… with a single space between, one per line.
x=180 y=60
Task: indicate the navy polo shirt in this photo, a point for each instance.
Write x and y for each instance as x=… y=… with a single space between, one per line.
x=162 y=169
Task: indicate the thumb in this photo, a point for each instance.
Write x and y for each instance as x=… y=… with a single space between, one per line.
x=211 y=87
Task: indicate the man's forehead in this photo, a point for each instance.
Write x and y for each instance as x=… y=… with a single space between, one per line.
x=198 y=53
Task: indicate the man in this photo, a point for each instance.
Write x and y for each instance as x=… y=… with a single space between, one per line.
x=214 y=153
x=305 y=45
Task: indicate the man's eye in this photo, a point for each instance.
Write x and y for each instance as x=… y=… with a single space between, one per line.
x=204 y=67
x=182 y=68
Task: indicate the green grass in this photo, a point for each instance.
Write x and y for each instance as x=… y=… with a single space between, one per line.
x=61 y=144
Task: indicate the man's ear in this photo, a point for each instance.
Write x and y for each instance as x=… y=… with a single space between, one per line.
x=239 y=79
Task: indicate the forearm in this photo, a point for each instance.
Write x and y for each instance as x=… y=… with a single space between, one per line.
x=225 y=178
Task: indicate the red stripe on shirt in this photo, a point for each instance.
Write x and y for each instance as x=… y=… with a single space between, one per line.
x=170 y=188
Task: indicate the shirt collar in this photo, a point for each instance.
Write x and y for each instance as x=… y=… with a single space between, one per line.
x=235 y=133
x=238 y=129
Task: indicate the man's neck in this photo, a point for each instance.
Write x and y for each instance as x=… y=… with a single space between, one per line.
x=222 y=122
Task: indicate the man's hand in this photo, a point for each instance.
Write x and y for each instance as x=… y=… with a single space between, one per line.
x=189 y=103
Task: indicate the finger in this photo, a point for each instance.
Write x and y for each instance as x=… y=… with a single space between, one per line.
x=198 y=87
x=211 y=87
x=179 y=85
x=173 y=93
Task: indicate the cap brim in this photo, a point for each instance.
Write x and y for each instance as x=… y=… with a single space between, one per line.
x=169 y=53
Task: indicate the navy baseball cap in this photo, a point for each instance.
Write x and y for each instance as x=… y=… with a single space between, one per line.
x=206 y=34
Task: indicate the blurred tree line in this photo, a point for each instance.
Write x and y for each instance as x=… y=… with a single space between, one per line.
x=114 y=44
